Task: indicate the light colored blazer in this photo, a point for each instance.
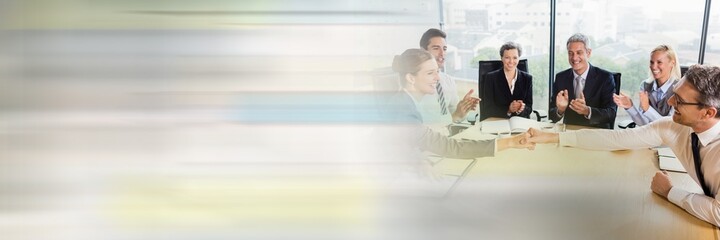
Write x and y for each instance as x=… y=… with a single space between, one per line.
x=405 y=113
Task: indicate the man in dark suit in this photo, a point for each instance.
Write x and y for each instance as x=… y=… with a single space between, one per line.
x=583 y=94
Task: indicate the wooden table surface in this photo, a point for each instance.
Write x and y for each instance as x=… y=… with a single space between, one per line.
x=568 y=193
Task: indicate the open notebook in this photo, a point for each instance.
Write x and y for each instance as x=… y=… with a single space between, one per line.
x=668 y=161
x=513 y=125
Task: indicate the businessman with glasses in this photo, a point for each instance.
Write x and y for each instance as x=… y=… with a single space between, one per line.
x=693 y=134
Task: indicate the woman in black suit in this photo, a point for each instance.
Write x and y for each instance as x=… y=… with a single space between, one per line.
x=508 y=91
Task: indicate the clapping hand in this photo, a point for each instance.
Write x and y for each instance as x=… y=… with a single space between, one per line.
x=465 y=105
x=578 y=105
x=623 y=101
x=561 y=101
x=516 y=106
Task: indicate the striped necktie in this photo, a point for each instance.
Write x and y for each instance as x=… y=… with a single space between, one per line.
x=441 y=99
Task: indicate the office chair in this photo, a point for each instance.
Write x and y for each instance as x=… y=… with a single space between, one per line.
x=683 y=70
x=485 y=67
x=625 y=124
x=539 y=114
x=616 y=77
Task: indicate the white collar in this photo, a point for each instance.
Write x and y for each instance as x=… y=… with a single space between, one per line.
x=584 y=75
x=512 y=82
x=516 y=74
x=708 y=135
x=664 y=87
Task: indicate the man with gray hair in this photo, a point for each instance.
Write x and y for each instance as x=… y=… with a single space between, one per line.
x=693 y=134
x=583 y=94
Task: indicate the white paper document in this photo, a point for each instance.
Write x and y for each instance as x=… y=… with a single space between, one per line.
x=513 y=125
x=668 y=161
x=665 y=151
x=671 y=164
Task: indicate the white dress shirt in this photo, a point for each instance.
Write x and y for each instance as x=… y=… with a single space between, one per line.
x=451 y=93
x=512 y=88
x=430 y=108
x=512 y=83
x=666 y=132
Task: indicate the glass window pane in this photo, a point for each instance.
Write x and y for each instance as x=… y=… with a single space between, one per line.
x=712 y=49
x=623 y=33
x=476 y=30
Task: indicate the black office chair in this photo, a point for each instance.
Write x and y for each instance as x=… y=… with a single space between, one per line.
x=623 y=124
x=616 y=77
x=683 y=70
x=485 y=67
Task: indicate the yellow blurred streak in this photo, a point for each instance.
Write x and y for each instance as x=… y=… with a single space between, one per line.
x=111 y=14
x=139 y=203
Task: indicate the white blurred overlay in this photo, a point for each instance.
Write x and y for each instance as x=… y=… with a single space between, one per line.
x=199 y=120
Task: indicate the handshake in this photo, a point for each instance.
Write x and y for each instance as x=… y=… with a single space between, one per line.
x=528 y=139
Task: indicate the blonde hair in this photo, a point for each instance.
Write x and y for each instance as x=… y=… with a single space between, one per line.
x=672 y=55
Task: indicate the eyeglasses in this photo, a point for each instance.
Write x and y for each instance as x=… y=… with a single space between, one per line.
x=680 y=102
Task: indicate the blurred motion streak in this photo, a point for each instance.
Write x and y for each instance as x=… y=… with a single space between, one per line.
x=209 y=119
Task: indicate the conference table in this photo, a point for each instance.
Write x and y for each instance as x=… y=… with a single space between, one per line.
x=556 y=192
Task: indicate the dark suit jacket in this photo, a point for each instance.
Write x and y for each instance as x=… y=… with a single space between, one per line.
x=497 y=97
x=598 y=91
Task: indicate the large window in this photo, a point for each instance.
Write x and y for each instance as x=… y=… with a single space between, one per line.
x=712 y=50
x=477 y=29
x=623 y=33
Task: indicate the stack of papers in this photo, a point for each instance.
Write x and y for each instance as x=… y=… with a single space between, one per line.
x=668 y=161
